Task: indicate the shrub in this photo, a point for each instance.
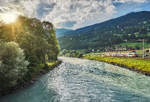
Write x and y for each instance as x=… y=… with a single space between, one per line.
x=13 y=65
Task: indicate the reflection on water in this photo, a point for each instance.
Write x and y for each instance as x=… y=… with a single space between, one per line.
x=78 y=80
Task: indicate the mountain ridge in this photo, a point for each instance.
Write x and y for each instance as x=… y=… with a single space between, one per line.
x=62 y=31
x=128 y=14
x=133 y=25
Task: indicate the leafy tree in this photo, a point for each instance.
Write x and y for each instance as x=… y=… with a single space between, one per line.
x=13 y=65
x=28 y=39
x=35 y=48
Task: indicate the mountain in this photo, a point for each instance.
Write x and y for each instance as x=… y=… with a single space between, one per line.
x=127 y=28
x=61 y=32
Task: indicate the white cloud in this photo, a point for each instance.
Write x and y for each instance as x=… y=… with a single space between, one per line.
x=80 y=11
x=84 y=12
x=66 y=13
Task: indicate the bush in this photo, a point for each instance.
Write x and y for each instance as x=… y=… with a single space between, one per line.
x=13 y=65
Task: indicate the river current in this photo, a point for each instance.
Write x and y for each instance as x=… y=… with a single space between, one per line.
x=80 y=80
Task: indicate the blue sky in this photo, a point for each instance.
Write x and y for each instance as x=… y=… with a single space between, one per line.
x=74 y=14
x=125 y=8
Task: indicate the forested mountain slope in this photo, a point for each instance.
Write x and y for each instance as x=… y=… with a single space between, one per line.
x=61 y=32
x=128 y=28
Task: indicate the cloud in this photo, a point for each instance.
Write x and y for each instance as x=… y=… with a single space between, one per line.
x=63 y=13
x=44 y=8
x=25 y=7
x=83 y=12
x=133 y=1
x=66 y=13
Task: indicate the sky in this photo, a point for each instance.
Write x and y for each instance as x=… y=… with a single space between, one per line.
x=73 y=14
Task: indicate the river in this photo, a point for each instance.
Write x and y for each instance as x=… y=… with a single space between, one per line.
x=80 y=80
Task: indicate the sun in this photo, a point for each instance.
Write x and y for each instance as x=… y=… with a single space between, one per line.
x=8 y=17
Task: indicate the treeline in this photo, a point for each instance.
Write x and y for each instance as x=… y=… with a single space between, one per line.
x=26 y=47
x=71 y=53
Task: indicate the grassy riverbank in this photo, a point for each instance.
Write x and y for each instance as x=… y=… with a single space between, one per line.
x=139 y=65
x=35 y=74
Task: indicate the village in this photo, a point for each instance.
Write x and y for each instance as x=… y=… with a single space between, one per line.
x=130 y=53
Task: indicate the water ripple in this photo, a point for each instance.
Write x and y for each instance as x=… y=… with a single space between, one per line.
x=78 y=80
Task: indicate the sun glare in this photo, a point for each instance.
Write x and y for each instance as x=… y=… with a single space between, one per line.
x=8 y=17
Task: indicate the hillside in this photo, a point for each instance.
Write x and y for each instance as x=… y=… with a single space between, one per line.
x=61 y=32
x=125 y=29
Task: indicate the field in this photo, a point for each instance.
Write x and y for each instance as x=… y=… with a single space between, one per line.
x=135 y=44
x=136 y=64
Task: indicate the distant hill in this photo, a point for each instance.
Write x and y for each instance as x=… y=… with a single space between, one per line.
x=127 y=28
x=61 y=32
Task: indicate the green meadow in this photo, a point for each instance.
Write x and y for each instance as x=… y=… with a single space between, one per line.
x=136 y=64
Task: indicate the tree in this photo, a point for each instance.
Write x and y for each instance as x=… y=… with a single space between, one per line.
x=13 y=65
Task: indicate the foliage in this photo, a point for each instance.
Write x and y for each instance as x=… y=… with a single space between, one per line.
x=52 y=64
x=37 y=39
x=44 y=68
x=135 y=45
x=13 y=65
x=71 y=53
x=35 y=47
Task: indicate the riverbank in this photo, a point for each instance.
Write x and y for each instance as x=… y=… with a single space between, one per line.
x=41 y=70
x=134 y=64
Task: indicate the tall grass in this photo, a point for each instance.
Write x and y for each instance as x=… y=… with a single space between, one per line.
x=139 y=65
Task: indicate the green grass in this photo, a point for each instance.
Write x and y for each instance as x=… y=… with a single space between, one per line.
x=139 y=44
x=139 y=65
x=43 y=68
x=53 y=63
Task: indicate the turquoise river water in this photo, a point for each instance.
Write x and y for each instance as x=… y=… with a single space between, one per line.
x=80 y=80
